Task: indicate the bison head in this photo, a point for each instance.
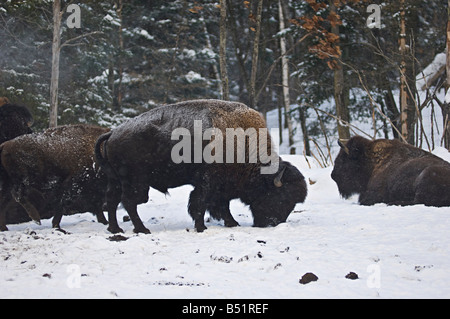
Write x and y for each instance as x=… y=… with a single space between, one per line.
x=277 y=195
x=352 y=169
x=15 y=120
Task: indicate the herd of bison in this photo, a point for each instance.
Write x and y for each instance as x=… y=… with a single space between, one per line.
x=84 y=168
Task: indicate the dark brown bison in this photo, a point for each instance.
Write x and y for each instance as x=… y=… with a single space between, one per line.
x=15 y=120
x=53 y=173
x=391 y=172
x=143 y=153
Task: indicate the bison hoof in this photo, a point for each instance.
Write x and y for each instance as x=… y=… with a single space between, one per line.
x=3 y=228
x=141 y=230
x=231 y=223
x=115 y=230
x=200 y=228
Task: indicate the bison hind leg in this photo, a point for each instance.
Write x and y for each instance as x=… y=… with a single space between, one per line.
x=101 y=217
x=131 y=198
x=113 y=195
x=22 y=195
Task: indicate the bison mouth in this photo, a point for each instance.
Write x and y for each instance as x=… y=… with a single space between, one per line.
x=267 y=222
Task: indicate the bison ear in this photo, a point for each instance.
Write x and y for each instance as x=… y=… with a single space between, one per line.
x=356 y=147
x=344 y=147
x=277 y=180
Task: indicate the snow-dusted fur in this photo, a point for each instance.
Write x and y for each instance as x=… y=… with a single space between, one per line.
x=52 y=173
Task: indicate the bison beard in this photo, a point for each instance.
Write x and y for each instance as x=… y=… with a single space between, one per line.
x=391 y=172
x=137 y=155
x=15 y=120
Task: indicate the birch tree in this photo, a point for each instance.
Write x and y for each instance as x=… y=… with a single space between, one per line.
x=56 y=52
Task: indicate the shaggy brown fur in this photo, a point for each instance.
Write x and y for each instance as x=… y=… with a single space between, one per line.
x=138 y=156
x=54 y=170
x=392 y=172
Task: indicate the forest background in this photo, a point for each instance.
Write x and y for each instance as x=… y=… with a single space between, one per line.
x=102 y=62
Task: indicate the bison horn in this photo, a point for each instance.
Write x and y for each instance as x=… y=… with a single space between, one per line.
x=277 y=180
x=344 y=147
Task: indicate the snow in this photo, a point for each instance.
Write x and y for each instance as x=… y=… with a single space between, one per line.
x=397 y=252
x=430 y=71
x=447 y=97
x=192 y=77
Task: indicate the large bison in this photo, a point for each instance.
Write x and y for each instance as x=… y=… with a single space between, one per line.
x=145 y=152
x=53 y=173
x=391 y=172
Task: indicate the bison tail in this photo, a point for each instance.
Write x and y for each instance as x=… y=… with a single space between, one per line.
x=102 y=159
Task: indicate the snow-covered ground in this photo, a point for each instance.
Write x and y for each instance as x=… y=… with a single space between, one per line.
x=397 y=252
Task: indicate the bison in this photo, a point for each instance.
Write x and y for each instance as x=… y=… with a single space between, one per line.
x=143 y=153
x=391 y=172
x=53 y=173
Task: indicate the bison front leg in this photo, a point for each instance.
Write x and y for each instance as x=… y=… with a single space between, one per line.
x=100 y=217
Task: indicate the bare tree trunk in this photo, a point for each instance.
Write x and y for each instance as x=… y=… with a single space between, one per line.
x=223 y=51
x=252 y=91
x=209 y=46
x=407 y=106
x=118 y=104
x=302 y=116
x=238 y=50
x=285 y=76
x=56 y=49
x=342 y=111
x=403 y=84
